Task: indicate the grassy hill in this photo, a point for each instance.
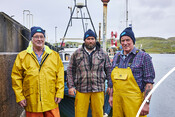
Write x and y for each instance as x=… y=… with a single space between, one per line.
x=156 y=44
x=149 y=44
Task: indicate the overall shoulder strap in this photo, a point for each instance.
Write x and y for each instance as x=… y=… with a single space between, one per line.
x=131 y=60
x=118 y=60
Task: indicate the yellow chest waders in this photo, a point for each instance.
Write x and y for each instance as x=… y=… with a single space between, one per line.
x=127 y=96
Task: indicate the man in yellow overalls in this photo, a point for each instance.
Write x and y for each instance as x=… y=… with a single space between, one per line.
x=88 y=68
x=132 y=77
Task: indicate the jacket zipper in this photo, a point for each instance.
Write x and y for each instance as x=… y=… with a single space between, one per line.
x=45 y=56
x=39 y=71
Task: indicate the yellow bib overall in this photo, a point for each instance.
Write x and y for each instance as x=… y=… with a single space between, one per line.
x=82 y=104
x=127 y=96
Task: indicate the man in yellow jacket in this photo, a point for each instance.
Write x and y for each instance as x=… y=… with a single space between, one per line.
x=38 y=77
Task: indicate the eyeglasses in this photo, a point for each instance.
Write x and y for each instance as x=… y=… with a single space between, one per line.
x=37 y=37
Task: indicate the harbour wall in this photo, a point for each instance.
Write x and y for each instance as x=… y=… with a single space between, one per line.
x=8 y=105
x=13 y=39
x=13 y=36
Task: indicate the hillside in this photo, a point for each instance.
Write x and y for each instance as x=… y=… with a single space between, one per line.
x=149 y=44
x=156 y=44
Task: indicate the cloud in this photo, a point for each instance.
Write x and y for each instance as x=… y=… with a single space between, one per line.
x=148 y=17
x=153 y=18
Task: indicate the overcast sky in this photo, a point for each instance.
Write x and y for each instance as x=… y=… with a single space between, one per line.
x=148 y=17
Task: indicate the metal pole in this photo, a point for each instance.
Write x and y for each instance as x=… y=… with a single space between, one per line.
x=55 y=34
x=105 y=2
x=99 y=32
x=70 y=13
x=23 y=19
x=32 y=19
x=86 y=3
x=82 y=20
x=24 y=16
x=104 y=25
x=29 y=20
x=28 y=16
x=86 y=24
x=126 y=13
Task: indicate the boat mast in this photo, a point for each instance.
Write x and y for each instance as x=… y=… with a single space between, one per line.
x=126 y=13
x=79 y=6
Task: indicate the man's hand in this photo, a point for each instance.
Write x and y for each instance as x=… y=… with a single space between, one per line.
x=72 y=91
x=145 y=110
x=111 y=97
x=110 y=100
x=23 y=103
x=57 y=100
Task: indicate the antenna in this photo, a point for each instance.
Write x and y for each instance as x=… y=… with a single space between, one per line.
x=126 y=13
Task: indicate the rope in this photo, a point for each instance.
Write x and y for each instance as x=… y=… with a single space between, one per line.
x=20 y=33
x=16 y=28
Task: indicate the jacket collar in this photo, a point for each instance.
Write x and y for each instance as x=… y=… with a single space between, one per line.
x=132 y=51
x=30 y=48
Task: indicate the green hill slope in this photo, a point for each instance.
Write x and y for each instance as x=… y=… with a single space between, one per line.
x=156 y=44
x=149 y=44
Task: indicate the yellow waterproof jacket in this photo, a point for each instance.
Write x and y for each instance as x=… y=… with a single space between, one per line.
x=38 y=83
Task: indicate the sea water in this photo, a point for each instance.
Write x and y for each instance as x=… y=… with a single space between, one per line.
x=163 y=99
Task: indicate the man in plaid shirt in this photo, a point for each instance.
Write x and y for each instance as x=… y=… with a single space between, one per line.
x=88 y=69
x=132 y=77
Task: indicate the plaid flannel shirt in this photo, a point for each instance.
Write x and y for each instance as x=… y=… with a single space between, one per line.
x=142 y=67
x=88 y=73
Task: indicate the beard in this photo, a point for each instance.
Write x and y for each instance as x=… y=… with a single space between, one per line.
x=91 y=46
